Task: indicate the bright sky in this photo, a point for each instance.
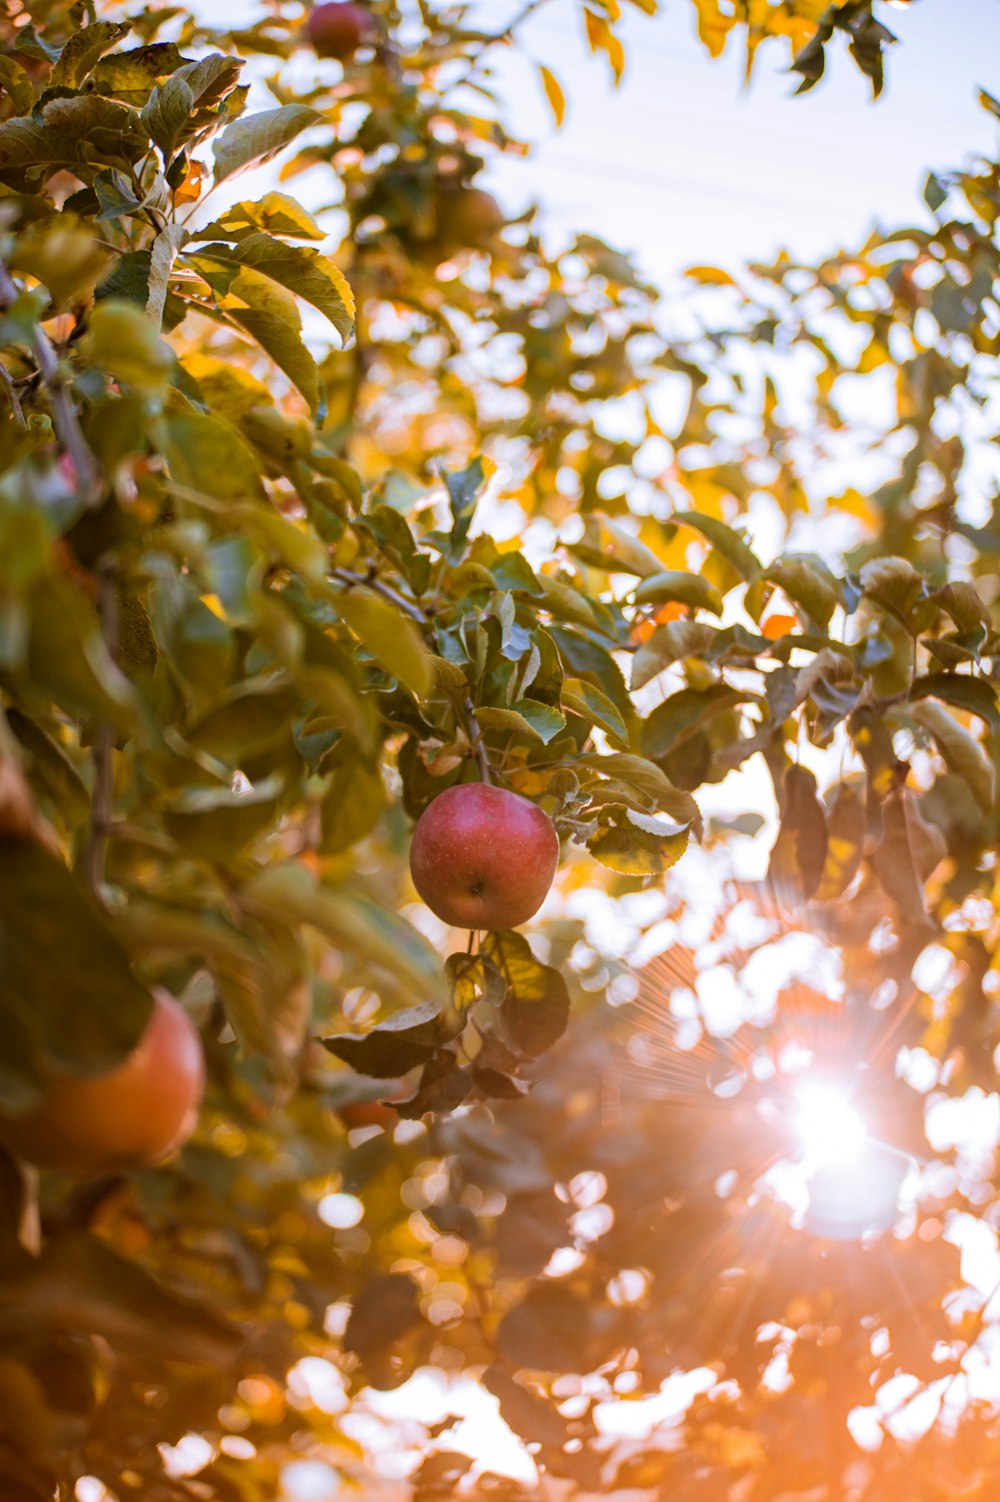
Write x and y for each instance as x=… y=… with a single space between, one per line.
x=683 y=165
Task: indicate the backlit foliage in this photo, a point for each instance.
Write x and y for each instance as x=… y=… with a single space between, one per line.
x=318 y=498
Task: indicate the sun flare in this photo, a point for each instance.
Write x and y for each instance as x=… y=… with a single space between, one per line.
x=832 y=1133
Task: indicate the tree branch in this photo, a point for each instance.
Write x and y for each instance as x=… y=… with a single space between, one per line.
x=12 y=396
x=102 y=803
x=64 y=417
x=375 y=584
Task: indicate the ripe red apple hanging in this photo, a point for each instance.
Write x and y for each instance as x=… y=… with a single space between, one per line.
x=483 y=858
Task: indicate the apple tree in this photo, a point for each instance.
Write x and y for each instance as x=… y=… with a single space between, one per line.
x=305 y=549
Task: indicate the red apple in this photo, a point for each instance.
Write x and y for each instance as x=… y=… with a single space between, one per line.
x=338 y=29
x=381 y=1112
x=483 y=857
x=18 y=814
x=131 y=1117
x=468 y=219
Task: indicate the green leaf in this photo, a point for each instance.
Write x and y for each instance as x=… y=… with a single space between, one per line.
x=168 y=243
x=668 y=644
x=894 y=584
x=584 y=699
x=275 y=214
x=16 y=85
x=252 y=720
x=394 y=1046
x=218 y=824
x=974 y=695
x=688 y=589
x=383 y=1311
x=116 y=198
x=965 y=605
x=685 y=713
x=267 y=994
x=131 y=75
x=51 y=770
x=524 y=717
x=137 y=650
x=390 y=636
x=211 y=78
x=68 y=658
x=285 y=347
x=125 y=343
x=206 y=455
x=722 y=537
x=906 y=854
x=798 y=857
x=351 y=806
x=636 y=844
x=846 y=823
x=551 y=1330
x=585 y=658
x=83 y=50
x=935 y=193
x=81 y=1286
x=63 y=973
x=807 y=583
x=607 y=546
x=258 y=138
x=463 y=487
x=167 y=113
x=351 y=920
x=965 y=755
x=300 y=268
x=651 y=782
x=535 y=1008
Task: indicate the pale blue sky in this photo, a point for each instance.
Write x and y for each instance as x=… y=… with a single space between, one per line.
x=683 y=165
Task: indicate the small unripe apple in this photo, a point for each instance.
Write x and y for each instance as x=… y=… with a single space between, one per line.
x=338 y=29
x=468 y=219
x=130 y=1117
x=483 y=857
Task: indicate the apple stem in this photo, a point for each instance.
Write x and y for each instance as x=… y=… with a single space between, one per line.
x=479 y=744
x=418 y=614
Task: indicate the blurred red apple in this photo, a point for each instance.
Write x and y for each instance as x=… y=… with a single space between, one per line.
x=338 y=29
x=468 y=219
x=131 y=1117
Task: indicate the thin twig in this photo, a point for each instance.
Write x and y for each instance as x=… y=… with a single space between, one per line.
x=14 y=399
x=103 y=799
x=376 y=585
x=417 y=613
x=478 y=744
x=64 y=418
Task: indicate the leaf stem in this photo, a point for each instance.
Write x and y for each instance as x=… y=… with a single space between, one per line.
x=64 y=416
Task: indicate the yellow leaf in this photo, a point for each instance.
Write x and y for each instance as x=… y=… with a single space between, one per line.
x=710 y=276
x=554 y=94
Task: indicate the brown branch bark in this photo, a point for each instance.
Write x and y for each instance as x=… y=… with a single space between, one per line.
x=64 y=416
